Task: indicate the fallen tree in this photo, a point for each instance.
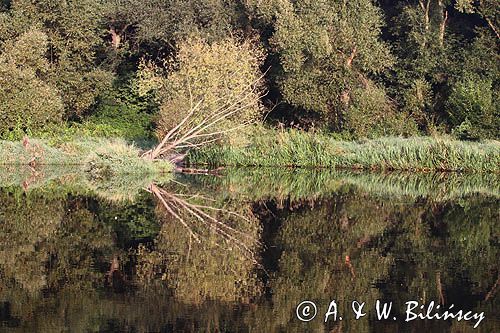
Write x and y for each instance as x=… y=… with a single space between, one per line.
x=191 y=132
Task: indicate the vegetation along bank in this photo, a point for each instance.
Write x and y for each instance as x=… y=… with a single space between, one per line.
x=393 y=85
x=295 y=148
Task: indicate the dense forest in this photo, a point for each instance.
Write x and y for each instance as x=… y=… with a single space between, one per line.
x=357 y=68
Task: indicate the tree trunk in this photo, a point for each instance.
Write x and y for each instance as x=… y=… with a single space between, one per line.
x=351 y=57
x=442 y=28
x=425 y=8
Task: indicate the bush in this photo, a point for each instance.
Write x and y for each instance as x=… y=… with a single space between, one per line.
x=218 y=73
x=417 y=101
x=130 y=115
x=80 y=89
x=372 y=115
x=472 y=109
x=26 y=100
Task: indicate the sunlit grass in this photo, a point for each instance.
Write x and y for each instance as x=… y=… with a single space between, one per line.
x=103 y=155
x=110 y=168
x=301 y=149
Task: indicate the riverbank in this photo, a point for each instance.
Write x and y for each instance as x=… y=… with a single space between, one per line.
x=98 y=157
x=293 y=148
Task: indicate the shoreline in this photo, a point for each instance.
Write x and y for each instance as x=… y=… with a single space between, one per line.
x=98 y=157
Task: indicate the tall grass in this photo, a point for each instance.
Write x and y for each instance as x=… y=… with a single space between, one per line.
x=301 y=149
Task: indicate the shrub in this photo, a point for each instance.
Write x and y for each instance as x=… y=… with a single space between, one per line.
x=122 y=109
x=372 y=115
x=80 y=89
x=417 y=101
x=26 y=100
x=472 y=109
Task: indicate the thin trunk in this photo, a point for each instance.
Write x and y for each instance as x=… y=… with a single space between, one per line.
x=349 y=265
x=351 y=57
x=493 y=290
x=440 y=288
x=442 y=28
x=190 y=133
x=425 y=8
x=492 y=26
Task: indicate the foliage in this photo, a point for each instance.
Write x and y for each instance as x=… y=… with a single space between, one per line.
x=120 y=112
x=372 y=115
x=150 y=22
x=27 y=99
x=326 y=50
x=80 y=90
x=438 y=44
x=126 y=112
x=357 y=68
x=473 y=109
x=217 y=74
x=75 y=31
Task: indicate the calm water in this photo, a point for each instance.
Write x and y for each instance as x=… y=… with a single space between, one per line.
x=238 y=251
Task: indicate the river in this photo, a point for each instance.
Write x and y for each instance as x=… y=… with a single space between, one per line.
x=240 y=250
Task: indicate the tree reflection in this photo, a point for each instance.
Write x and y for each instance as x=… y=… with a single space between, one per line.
x=236 y=259
x=213 y=255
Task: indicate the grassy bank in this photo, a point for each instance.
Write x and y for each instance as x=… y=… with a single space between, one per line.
x=99 y=158
x=301 y=149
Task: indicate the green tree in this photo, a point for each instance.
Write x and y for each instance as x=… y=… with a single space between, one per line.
x=473 y=109
x=217 y=74
x=135 y=22
x=439 y=49
x=487 y=9
x=425 y=50
x=75 y=31
x=327 y=50
x=471 y=105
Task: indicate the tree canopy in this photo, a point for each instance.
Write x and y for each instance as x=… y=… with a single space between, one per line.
x=360 y=68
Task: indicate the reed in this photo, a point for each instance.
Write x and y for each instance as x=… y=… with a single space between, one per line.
x=270 y=148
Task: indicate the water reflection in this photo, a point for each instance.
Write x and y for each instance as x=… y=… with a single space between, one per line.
x=81 y=256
